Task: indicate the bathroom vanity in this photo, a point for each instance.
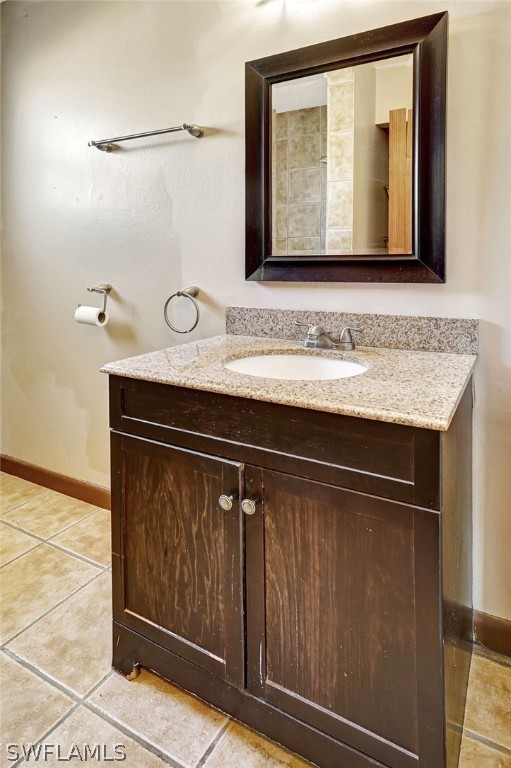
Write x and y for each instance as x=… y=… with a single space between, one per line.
x=298 y=554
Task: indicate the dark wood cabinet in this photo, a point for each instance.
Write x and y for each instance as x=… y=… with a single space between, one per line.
x=181 y=555
x=338 y=586
x=336 y=618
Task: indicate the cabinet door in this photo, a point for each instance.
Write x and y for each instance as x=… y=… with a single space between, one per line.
x=331 y=613
x=177 y=556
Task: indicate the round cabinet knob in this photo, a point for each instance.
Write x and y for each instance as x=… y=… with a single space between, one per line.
x=248 y=506
x=225 y=502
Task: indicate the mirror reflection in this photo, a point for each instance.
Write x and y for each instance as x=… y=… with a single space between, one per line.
x=342 y=161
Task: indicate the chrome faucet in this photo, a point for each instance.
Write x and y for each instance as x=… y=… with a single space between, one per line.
x=317 y=338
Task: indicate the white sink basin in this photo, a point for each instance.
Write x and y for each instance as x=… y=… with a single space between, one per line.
x=295 y=367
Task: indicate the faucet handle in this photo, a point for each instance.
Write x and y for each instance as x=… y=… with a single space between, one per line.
x=308 y=326
x=345 y=335
x=312 y=333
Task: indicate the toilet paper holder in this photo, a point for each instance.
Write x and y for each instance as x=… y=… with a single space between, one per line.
x=103 y=288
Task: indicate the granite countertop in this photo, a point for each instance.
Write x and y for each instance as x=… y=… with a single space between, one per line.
x=419 y=389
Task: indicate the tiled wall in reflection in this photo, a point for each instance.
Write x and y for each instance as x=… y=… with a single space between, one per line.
x=299 y=181
x=341 y=138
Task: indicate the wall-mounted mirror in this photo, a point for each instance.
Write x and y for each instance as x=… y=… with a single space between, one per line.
x=345 y=158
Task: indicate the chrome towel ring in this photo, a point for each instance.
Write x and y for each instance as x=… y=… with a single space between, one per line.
x=190 y=293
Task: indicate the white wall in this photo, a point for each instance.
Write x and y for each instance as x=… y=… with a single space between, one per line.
x=167 y=212
x=394 y=86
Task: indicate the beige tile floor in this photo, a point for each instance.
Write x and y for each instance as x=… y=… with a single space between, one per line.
x=57 y=687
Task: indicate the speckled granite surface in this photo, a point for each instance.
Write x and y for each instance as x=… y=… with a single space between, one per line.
x=421 y=389
x=430 y=334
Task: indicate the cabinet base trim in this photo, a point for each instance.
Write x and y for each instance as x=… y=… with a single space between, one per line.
x=493 y=633
x=78 y=489
x=131 y=649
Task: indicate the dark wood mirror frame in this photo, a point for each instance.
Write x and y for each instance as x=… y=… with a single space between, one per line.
x=426 y=38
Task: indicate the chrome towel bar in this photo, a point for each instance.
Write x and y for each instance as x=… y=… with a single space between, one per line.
x=107 y=145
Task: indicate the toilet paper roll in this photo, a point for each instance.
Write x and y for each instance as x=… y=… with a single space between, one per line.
x=91 y=316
